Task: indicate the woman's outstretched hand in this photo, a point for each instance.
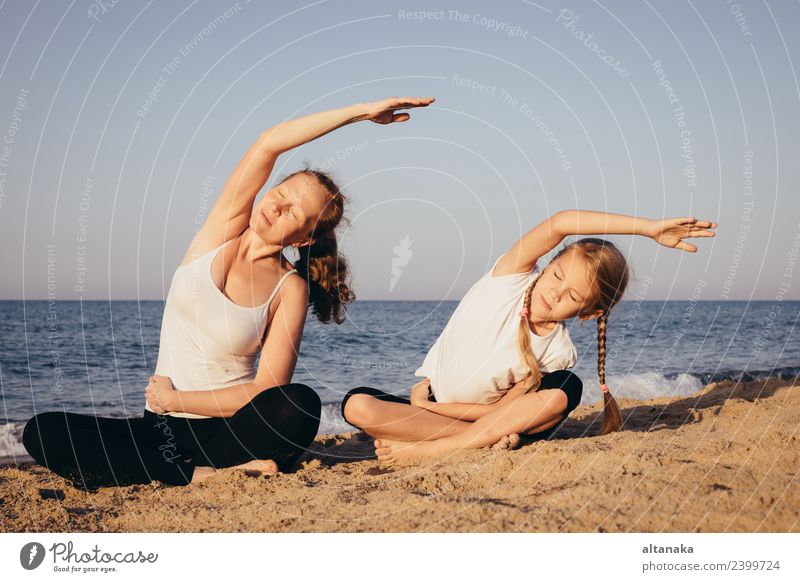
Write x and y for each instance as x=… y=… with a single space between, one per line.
x=670 y=232
x=160 y=394
x=384 y=111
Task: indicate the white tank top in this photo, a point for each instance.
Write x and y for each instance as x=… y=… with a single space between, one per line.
x=207 y=340
x=476 y=358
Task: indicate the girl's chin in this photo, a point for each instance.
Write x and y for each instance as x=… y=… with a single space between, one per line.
x=537 y=315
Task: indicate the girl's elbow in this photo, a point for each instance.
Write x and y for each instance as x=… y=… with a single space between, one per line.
x=560 y=222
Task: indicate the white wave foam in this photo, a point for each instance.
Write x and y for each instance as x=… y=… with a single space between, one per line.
x=641 y=386
x=11 y=440
x=332 y=421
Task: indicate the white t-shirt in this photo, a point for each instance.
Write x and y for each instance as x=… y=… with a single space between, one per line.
x=477 y=358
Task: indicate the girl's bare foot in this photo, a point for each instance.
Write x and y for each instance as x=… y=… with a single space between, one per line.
x=389 y=451
x=508 y=442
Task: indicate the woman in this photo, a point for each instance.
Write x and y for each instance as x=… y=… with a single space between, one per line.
x=233 y=296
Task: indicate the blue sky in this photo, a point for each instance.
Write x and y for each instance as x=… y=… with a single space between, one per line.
x=655 y=109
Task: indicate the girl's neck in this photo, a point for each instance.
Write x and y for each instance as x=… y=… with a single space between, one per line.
x=541 y=327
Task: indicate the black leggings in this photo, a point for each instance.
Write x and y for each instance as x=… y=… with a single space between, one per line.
x=91 y=451
x=565 y=380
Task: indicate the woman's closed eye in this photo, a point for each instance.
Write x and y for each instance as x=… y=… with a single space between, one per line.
x=291 y=209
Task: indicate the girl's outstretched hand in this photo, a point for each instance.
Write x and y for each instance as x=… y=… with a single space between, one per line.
x=670 y=232
x=384 y=111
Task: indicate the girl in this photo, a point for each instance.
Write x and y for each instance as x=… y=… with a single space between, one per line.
x=498 y=369
x=233 y=296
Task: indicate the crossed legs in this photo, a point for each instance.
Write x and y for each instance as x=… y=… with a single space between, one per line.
x=403 y=430
x=527 y=414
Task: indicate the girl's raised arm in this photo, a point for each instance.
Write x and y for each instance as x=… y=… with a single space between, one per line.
x=547 y=235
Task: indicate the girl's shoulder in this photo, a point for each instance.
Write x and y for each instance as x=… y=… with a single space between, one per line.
x=493 y=275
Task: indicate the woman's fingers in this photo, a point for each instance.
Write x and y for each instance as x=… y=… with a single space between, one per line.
x=406 y=102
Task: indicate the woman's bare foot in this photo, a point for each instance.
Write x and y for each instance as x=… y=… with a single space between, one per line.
x=258 y=467
x=508 y=442
x=254 y=468
x=202 y=473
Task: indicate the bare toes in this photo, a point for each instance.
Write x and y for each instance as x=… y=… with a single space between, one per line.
x=502 y=444
x=508 y=442
x=258 y=467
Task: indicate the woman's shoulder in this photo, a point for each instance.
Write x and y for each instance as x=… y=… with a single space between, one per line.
x=293 y=282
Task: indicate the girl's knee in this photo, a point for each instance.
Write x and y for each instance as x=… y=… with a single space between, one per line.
x=357 y=408
x=569 y=383
x=361 y=390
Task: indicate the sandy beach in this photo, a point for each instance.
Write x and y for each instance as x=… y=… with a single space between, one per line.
x=722 y=460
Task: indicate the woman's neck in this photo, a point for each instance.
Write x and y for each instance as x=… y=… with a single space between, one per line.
x=252 y=249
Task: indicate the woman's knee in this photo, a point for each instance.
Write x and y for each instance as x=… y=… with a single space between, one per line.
x=35 y=430
x=298 y=396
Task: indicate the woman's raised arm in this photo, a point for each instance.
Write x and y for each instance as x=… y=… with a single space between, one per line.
x=290 y=134
x=235 y=204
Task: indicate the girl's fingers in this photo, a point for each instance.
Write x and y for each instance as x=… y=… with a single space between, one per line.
x=684 y=246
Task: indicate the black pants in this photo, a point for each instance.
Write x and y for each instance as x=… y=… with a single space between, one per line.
x=565 y=380
x=91 y=451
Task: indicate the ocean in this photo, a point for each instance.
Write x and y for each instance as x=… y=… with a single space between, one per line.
x=95 y=357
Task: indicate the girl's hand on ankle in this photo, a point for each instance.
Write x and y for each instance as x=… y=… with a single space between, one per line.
x=516 y=390
x=419 y=394
x=670 y=232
